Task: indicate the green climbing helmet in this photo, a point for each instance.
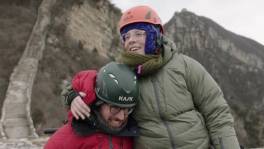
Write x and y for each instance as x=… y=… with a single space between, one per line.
x=117 y=85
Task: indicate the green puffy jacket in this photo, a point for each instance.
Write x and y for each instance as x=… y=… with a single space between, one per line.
x=181 y=106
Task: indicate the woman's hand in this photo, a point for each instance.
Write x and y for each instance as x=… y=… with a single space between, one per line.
x=78 y=107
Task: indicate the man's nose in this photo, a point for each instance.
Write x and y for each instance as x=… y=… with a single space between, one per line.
x=121 y=115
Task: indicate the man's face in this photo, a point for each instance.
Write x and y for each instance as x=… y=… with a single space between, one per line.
x=134 y=41
x=115 y=117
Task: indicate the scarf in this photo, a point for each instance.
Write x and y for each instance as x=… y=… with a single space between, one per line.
x=143 y=64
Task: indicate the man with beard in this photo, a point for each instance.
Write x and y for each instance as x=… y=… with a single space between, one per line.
x=112 y=97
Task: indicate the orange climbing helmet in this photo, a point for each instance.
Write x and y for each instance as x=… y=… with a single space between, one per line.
x=140 y=14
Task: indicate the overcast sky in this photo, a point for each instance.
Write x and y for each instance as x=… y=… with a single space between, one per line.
x=244 y=17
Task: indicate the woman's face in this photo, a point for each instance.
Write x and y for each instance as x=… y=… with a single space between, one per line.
x=134 y=41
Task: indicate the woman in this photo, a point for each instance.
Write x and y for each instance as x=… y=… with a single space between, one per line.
x=180 y=105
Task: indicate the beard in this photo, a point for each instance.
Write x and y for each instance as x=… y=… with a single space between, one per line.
x=106 y=127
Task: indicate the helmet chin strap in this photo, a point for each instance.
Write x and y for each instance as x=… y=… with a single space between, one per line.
x=159 y=43
x=102 y=125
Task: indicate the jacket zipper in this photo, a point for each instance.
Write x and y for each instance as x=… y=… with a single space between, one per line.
x=110 y=142
x=100 y=142
x=221 y=143
x=122 y=143
x=161 y=117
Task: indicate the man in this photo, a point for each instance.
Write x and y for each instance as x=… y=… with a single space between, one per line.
x=112 y=99
x=180 y=105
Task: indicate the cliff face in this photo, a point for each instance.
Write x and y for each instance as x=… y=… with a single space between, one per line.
x=83 y=35
x=93 y=24
x=234 y=61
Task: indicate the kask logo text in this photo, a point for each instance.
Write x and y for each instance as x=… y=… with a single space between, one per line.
x=123 y=98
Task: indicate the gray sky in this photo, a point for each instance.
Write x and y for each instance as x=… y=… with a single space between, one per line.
x=243 y=17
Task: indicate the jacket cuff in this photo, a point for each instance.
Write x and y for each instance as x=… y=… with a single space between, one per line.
x=229 y=142
x=69 y=96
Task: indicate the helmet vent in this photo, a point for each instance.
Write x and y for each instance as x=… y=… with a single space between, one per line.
x=135 y=79
x=127 y=91
x=116 y=81
x=148 y=15
x=113 y=77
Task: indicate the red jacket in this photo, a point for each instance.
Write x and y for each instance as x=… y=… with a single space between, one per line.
x=84 y=81
x=66 y=138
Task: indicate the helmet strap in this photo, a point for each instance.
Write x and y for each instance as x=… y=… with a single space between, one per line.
x=159 y=43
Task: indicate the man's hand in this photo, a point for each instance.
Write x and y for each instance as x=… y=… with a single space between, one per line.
x=78 y=108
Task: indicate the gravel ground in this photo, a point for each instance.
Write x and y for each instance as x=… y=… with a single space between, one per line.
x=32 y=144
x=23 y=143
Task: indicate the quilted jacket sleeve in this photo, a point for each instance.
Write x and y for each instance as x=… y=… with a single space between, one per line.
x=209 y=101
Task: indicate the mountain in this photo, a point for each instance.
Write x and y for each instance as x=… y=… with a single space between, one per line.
x=68 y=36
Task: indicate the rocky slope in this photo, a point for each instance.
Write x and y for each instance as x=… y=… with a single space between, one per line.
x=80 y=37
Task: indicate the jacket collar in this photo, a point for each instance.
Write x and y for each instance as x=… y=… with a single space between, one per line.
x=168 y=49
x=89 y=126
